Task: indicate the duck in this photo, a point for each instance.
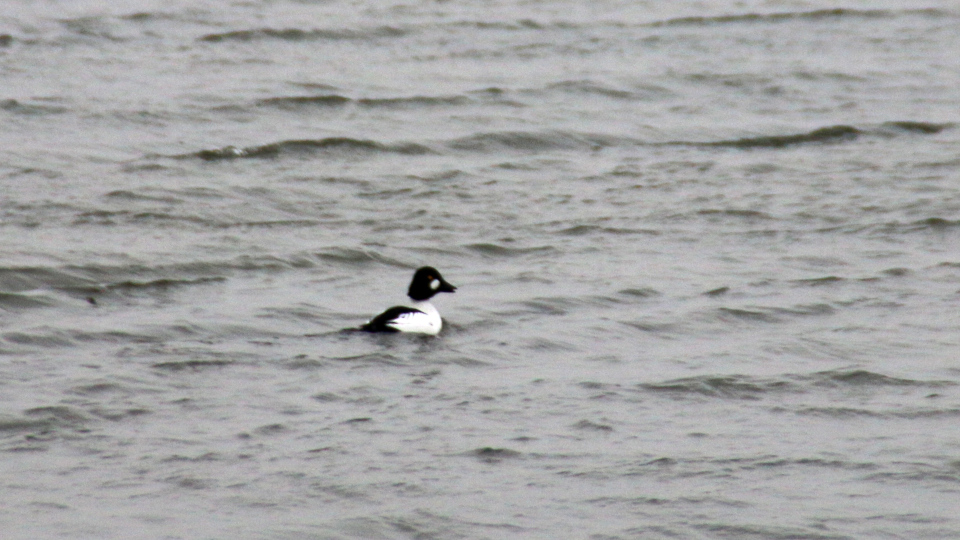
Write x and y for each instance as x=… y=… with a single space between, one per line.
x=419 y=317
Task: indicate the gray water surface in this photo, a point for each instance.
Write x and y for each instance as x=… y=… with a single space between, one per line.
x=708 y=259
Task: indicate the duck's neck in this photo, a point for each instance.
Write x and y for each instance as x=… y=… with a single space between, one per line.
x=424 y=306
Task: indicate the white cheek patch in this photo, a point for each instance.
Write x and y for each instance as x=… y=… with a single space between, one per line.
x=435 y=284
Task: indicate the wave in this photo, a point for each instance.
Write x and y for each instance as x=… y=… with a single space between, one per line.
x=162 y=284
x=587 y=425
x=719 y=291
x=309 y=146
x=566 y=140
x=295 y=102
x=413 y=101
x=537 y=141
x=730 y=386
x=489 y=454
x=858 y=412
x=54 y=338
x=643 y=292
x=583 y=230
x=43 y=424
x=358 y=257
x=520 y=24
x=561 y=305
x=374 y=358
x=162 y=196
x=772 y=314
x=100 y=28
x=912 y=471
x=732 y=212
x=192 y=365
x=44 y=419
x=296 y=34
x=815 y=15
x=766 y=532
x=29 y=109
x=859 y=377
x=926 y=128
x=110 y=217
x=822 y=135
x=20 y=284
x=751 y=315
x=532 y=141
x=14 y=301
x=587 y=87
x=124 y=28
x=931 y=224
x=753 y=388
x=336 y=100
x=159 y=219
x=820 y=281
x=21 y=279
x=498 y=251
x=935 y=223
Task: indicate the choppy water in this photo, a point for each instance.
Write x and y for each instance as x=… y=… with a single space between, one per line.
x=708 y=259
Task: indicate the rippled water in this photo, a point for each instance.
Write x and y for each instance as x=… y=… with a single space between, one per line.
x=708 y=259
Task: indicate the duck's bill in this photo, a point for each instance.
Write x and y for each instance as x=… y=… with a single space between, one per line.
x=446 y=287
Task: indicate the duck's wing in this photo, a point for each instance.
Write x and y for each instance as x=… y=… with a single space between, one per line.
x=389 y=320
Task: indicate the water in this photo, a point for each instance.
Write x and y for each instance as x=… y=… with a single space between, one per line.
x=708 y=259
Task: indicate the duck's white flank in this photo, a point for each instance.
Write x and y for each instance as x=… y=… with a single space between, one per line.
x=428 y=322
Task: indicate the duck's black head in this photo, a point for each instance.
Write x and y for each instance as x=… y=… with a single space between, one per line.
x=428 y=282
